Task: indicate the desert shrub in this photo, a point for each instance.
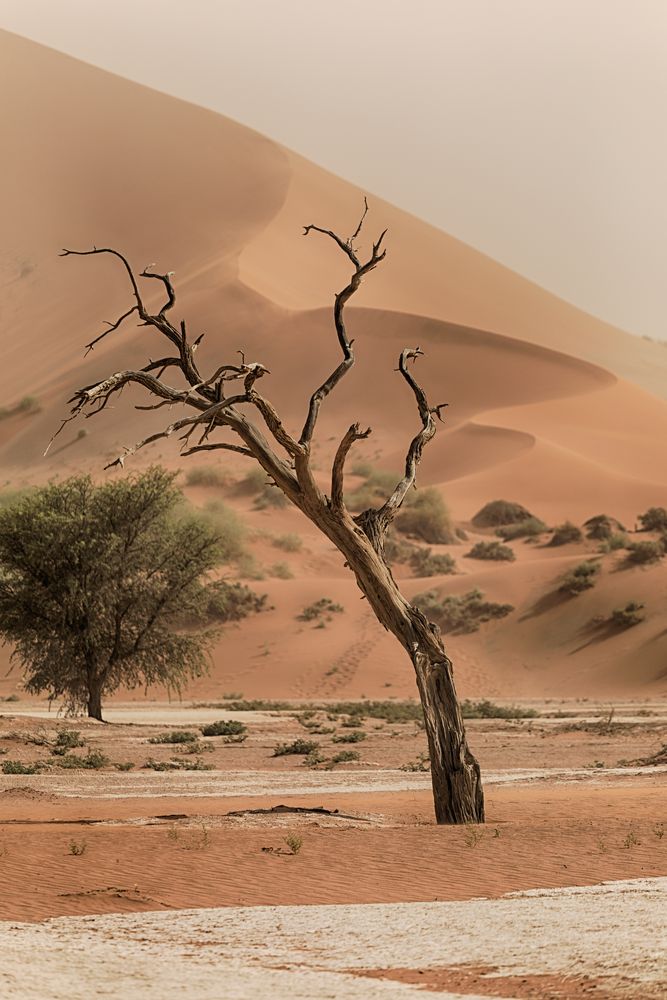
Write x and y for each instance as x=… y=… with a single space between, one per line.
x=17 y=767
x=426 y=563
x=461 y=613
x=654 y=519
x=252 y=483
x=345 y=756
x=93 y=761
x=177 y=736
x=617 y=540
x=500 y=512
x=491 y=550
x=644 y=553
x=378 y=486
x=426 y=516
x=68 y=739
x=320 y=609
x=280 y=571
x=565 y=533
x=355 y=737
x=529 y=528
x=227 y=524
x=628 y=616
x=230 y=602
x=485 y=709
x=267 y=494
x=601 y=527
x=580 y=578
x=299 y=748
x=206 y=475
x=229 y=727
x=288 y=543
x=398 y=550
x=270 y=496
x=177 y=765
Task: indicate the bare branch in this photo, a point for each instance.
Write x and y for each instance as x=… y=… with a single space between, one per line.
x=351 y=435
x=166 y=281
x=115 y=253
x=239 y=449
x=360 y=270
x=388 y=511
x=112 y=327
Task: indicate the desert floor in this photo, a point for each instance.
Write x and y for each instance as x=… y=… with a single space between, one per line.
x=349 y=889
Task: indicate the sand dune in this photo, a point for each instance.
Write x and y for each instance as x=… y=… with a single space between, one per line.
x=541 y=409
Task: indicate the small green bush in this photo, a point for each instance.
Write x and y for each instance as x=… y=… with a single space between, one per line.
x=654 y=519
x=228 y=524
x=68 y=739
x=398 y=550
x=271 y=496
x=355 y=737
x=644 y=553
x=602 y=527
x=231 y=602
x=460 y=614
x=628 y=616
x=288 y=543
x=206 y=475
x=299 y=748
x=177 y=736
x=491 y=550
x=565 y=533
x=497 y=513
x=378 y=486
x=426 y=517
x=17 y=767
x=617 y=540
x=93 y=761
x=345 y=756
x=281 y=571
x=229 y=727
x=426 y=563
x=530 y=528
x=580 y=578
x=253 y=482
x=320 y=609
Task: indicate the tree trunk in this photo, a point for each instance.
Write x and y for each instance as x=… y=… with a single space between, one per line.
x=455 y=772
x=95 y=701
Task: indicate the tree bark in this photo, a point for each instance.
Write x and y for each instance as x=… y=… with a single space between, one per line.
x=455 y=774
x=94 y=704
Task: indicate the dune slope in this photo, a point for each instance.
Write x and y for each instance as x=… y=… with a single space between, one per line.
x=548 y=406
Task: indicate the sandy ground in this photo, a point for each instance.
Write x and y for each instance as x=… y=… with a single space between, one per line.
x=609 y=934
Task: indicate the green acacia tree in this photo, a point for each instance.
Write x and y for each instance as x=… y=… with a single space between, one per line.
x=103 y=586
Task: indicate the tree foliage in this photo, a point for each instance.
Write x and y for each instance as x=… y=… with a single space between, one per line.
x=100 y=586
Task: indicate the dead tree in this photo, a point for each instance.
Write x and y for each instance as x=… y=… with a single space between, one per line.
x=457 y=788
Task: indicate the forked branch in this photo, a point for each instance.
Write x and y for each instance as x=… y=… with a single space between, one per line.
x=342 y=297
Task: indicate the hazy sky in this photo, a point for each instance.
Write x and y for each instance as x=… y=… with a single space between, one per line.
x=532 y=129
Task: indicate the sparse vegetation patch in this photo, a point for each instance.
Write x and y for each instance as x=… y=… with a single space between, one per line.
x=461 y=613
x=491 y=550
